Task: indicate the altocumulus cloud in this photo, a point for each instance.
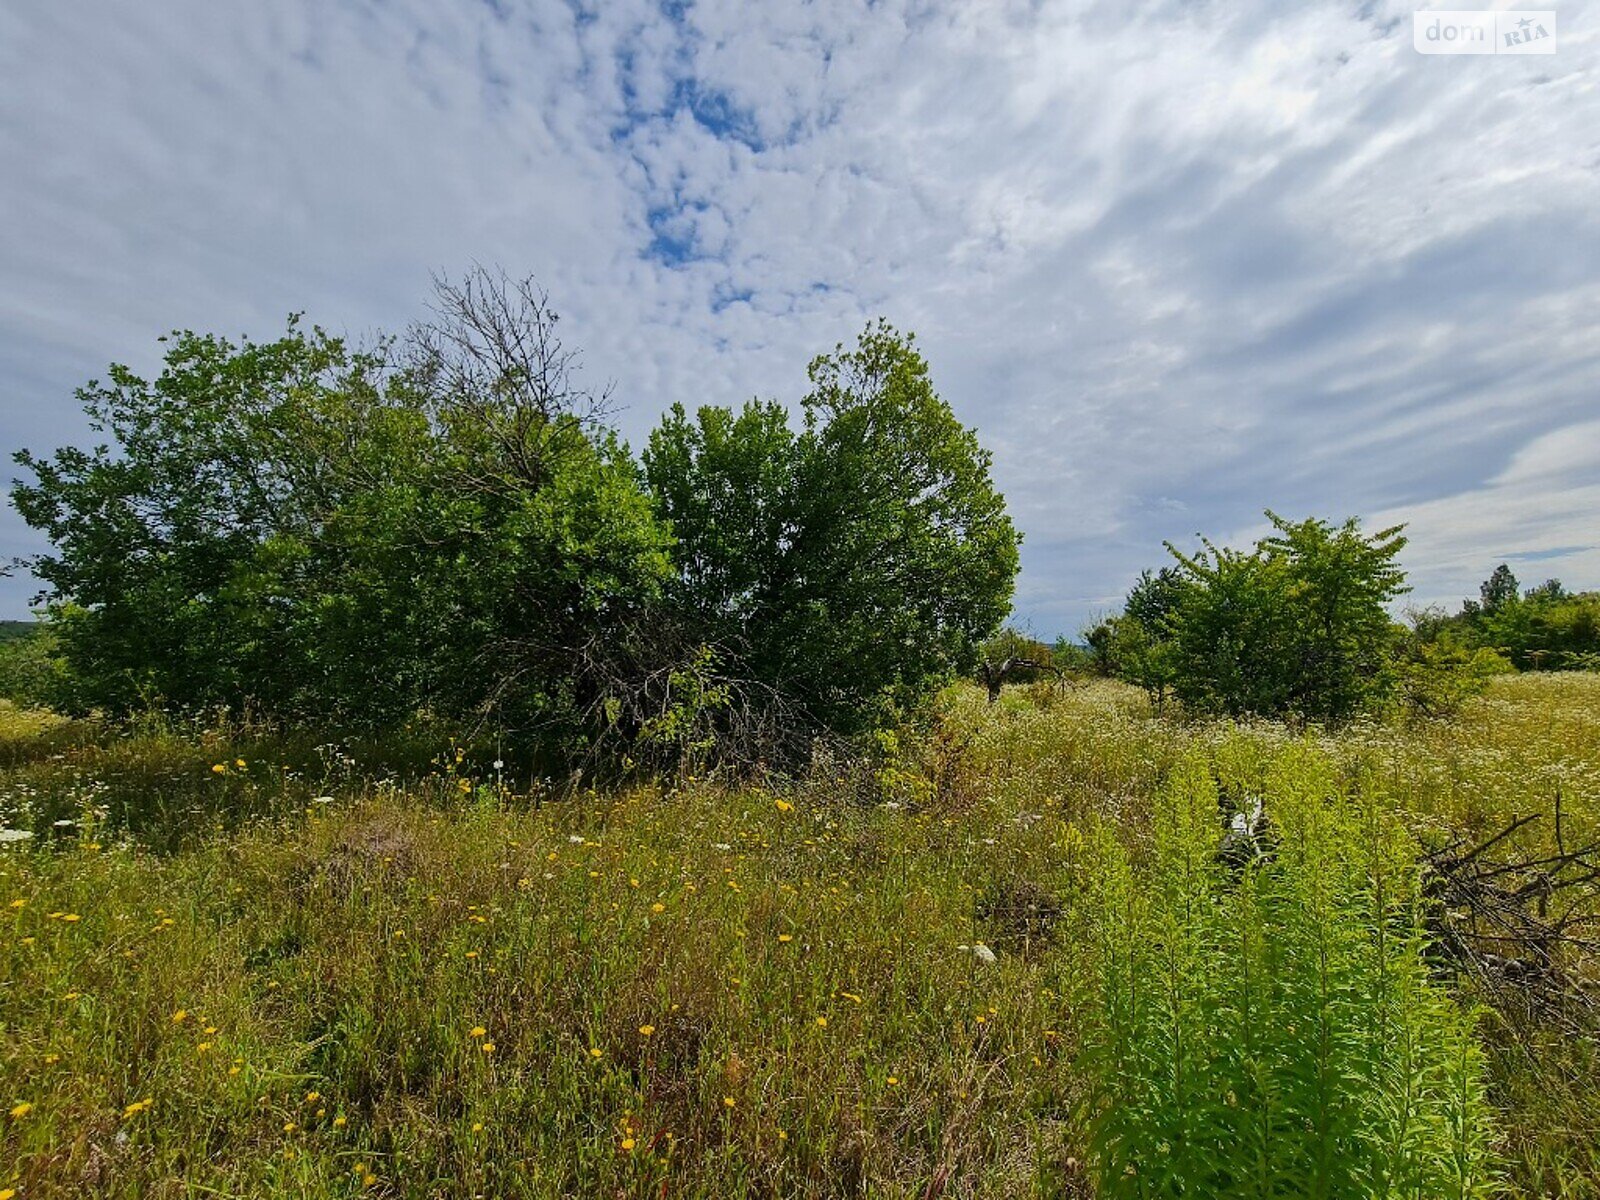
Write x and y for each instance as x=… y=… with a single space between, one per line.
x=1178 y=261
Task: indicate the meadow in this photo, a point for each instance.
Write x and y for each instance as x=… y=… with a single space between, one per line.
x=250 y=964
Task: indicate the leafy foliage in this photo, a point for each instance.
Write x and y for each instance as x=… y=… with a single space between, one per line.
x=1270 y=1030
x=320 y=533
x=1545 y=628
x=32 y=673
x=849 y=565
x=1297 y=625
x=446 y=525
x=1137 y=644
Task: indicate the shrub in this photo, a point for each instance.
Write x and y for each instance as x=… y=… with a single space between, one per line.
x=1295 y=626
x=1271 y=1030
x=1434 y=679
x=32 y=672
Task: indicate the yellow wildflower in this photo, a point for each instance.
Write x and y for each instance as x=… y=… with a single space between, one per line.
x=18 y=1111
x=646 y=1030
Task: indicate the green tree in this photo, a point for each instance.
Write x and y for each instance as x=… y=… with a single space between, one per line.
x=855 y=562
x=442 y=525
x=1298 y=625
x=1136 y=645
x=1499 y=590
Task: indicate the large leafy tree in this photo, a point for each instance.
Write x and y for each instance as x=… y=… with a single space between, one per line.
x=857 y=560
x=443 y=524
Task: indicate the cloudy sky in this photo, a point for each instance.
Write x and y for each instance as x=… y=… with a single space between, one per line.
x=1177 y=260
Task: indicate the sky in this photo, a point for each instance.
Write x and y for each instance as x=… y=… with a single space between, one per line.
x=1177 y=261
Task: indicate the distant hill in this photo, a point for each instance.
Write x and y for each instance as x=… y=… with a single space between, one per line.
x=10 y=631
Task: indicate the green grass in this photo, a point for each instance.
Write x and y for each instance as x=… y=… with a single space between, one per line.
x=815 y=1025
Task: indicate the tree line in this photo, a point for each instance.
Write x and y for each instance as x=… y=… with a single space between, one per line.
x=446 y=524
x=1299 y=626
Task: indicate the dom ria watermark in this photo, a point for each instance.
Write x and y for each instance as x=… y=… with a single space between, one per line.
x=1474 y=32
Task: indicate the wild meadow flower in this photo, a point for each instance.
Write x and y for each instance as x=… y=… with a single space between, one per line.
x=478 y=1031
x=18 y=1111
x=646 y=1030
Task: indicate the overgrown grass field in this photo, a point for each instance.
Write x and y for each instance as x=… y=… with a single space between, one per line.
x=1004 y=963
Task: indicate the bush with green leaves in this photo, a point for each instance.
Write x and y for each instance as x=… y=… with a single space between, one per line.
x=1265 y=1021
x=1435 y=679
x=1544 y=628
x=32 y=672
x=853 y=565
x=446 y=526
x=1297 y=625
x=440 y=525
